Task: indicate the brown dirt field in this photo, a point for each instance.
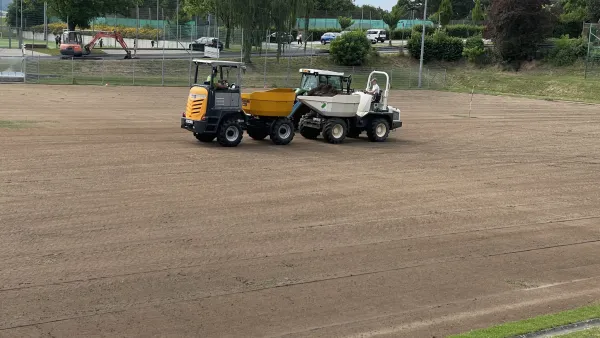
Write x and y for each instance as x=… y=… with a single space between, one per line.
x=116 y=222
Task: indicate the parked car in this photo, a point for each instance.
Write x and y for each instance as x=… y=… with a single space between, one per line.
x=328 y=37
x=285 y=38
x=205 y=41
x=377 y=35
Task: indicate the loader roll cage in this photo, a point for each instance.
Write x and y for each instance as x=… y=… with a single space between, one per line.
x=219 y=68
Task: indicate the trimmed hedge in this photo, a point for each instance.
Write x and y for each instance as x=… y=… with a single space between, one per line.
x=127 y=32
x=428 y=29
x=464 y=31
x=438 y=46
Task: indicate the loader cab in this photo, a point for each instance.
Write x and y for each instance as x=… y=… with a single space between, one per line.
x=214 y=98
x=312 y=78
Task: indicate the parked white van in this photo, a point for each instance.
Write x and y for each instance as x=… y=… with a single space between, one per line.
x=377 y=35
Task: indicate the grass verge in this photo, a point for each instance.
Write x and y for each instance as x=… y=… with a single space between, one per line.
x=541 y=81
x=535 y=324
x=536 y=80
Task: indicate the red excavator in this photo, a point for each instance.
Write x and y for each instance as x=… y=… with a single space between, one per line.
x=72 y=43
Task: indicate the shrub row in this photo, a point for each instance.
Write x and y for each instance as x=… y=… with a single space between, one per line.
x=566 y=51
x=438 y=46
x=464 y=31
x=127 y=32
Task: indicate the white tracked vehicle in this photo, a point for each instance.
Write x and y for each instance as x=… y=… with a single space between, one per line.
x=341 y=116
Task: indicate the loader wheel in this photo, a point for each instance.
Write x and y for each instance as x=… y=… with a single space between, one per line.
x=308 y=132
x=335 y=131
x=282 y=132
x=205 y=138
x=257 y=134
x=378 y=130
x=230 y=133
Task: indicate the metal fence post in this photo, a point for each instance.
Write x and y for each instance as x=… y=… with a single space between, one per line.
x=103 y=66
x=72 y=70
x=133 y=65
x=25 y=69
x=38 y=69
x=428 y=79
x=287 y=80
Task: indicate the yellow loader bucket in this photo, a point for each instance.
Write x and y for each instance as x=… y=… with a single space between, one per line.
x=275 y=102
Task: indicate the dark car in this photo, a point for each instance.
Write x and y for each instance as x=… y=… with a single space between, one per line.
x=285 y=38
x=205 y=41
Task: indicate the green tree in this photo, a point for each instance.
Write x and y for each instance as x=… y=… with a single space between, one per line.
x=33 y=13
x=477 y=13
x=345 y=22
x=392 y=18
x=335 y=7
x=223 y=9
x=445 y=12
x=350 y=49
x=306 y=8
x=79 y=13
x=461 y=9
x=593 y=10
x=517 y=26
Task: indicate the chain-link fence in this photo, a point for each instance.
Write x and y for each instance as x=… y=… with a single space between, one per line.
x=591 y=32
x=262 y=73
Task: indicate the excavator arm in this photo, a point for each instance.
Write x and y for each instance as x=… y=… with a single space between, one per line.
x=115 y=35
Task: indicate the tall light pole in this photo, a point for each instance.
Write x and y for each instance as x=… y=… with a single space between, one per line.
x=422 y=45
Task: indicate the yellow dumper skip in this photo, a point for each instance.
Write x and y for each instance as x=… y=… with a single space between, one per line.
x=274 y=103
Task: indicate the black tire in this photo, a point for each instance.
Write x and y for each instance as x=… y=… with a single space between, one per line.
x=308 y=132
x=230 y=133
x=335 y=131
x=205 y=138
x=375 y=131
x=282 y=131
x=353 y=133
x=257 y=134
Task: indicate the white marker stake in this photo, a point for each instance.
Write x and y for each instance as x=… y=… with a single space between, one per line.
x=471 y=103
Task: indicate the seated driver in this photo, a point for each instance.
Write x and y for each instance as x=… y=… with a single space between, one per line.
x=375 y=91
x=216 y=83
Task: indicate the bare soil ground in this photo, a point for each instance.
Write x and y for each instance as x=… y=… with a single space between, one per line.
x=115 y=222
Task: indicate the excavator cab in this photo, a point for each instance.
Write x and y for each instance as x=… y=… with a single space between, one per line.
x=214 y=105
x=71 y=44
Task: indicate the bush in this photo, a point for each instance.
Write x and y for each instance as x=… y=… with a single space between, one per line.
x=439 y=46
x=400 y=33
x=419 y=29
x=474 y=49
x=571 y=28
x=351 y=49
x=464 y=31
x=566 y=51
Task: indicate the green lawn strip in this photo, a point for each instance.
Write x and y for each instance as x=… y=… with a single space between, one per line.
x=587 y=333
x=535 y=324
x=15 y=124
